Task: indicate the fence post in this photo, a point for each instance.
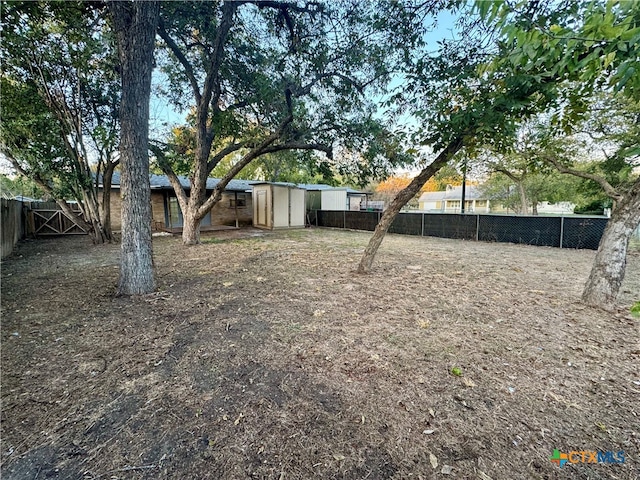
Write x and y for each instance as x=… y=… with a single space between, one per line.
x=422 y=225
x=344 y=219
x=477 y=227
x=561 y=230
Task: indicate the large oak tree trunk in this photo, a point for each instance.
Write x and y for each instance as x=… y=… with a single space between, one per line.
x=610 y=263
x=401 y=200
x=190 y=227
x=135 y=24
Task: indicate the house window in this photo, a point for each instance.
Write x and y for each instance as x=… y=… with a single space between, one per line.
x=454 y=204
x=481 y=203
x=242 y=202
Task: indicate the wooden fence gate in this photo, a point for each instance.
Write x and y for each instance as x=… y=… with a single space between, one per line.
x=54 y=222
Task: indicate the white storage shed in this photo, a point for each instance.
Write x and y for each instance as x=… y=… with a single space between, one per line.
x=341 y=199
x=278 y=206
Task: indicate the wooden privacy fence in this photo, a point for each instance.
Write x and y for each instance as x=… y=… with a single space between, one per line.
x=40 y=219
x=12 y=227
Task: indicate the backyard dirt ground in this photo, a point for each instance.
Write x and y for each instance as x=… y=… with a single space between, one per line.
x=263 y=355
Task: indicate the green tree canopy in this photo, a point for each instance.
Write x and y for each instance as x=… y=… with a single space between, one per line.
x=266 y=77
x=60 y=102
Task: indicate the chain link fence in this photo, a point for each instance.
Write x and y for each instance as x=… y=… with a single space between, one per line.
x=563 y=232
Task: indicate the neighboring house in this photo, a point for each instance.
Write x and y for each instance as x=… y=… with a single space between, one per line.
x=560 y=208
x=450 y=201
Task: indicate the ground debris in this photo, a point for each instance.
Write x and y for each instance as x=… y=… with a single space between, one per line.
x=300 y=369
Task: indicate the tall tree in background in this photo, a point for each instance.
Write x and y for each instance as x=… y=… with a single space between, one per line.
x=271 y=76
x=582 y=48
x=60 y=105
x=135 y=25
x=524 y=167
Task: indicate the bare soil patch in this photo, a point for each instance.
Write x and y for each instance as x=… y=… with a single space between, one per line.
x=263 y=355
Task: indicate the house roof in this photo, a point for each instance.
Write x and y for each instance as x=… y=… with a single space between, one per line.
x=317 y=187
x=453 y=193
x=162 y=182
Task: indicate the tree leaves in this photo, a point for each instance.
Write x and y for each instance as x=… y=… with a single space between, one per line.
x=577 y=47
x=60 y=99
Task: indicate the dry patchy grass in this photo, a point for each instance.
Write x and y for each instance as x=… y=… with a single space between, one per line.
x=266 y=356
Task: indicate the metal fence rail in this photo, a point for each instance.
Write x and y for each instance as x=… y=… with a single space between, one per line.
x=562 y=232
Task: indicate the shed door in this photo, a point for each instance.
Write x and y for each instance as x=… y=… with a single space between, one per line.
x=262 y=207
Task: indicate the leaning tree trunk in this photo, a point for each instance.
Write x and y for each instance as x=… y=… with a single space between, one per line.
x=77 y=219
x=91 y=211
x=135 y=25
x=401 y=200
x=609 y=267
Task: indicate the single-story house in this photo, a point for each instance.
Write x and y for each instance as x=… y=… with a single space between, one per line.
x=233 y=209
x=236 y=206
x=450 y=201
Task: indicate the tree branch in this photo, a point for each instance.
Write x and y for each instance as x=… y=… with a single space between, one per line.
x=509 y=174
x=64 y=206
x=166 y=168
x=609 y=190
x=287 y=5
x=327 y=149
x=212 y=90
x=243 y=162
x=228 y=150
x=188 y=68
